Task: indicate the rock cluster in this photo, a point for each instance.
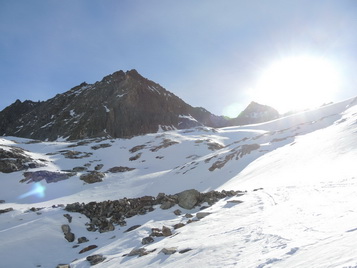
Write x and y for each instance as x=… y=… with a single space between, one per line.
x=105 y=215
x=15 y=159
x=48 y=176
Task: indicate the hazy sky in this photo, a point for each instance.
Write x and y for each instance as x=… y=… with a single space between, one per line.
x=209 y=53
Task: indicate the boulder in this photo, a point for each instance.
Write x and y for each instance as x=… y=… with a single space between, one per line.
x=169 y=251
x=188 y=199
x=147 y=240
x=166 y=231
x=88 y=248
x=201 y=215
x=92 y=177
x=82 y=239
x=120 y=169
x=95 y=259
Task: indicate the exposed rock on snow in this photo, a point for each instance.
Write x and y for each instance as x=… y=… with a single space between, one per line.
x=95 y=259
x=120 y=169
x=238 y=153
x=6 y=210
x=147 y=240
x=48 y=176
x=201 y=215
x=88 y=248
x=15 y=159
x=82 y=239
x=188 y=199
x=104 y=215
x=169 y=251
x=166 y=231
x=92 y=177
x=68 y=235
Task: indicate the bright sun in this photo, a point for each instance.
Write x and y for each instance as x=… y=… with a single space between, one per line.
x=296 y=83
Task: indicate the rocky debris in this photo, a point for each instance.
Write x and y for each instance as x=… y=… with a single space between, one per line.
x=137 y=148
x=164 y=144
x=236 y=153
x=68 y=235
x=2 y=201
x=132 y=228
x=63 y=266
x=234 y=201
x=92 y=177
x=135 y=157
x=100 y=146
x=95 y=259
x=79 y=169
x=185 y=250
x=214 y=146
x=156 y=232
x=177 y=212
x=48 y=176
x=6 y=210
x=188 y=215
x=169 y=251
x=147 y=240
x=166 y=231
x=98 y=167
x=88 y=248
x=138 y=252
x=15 y=159
x=179 y=225
x=68 y=217
x=120 y=169
x=75 y=154
x=201 y=215
x=188 y=199
x=82 y=239
x=105 y=215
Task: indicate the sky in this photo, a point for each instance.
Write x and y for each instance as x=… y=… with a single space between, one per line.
x=212 y=54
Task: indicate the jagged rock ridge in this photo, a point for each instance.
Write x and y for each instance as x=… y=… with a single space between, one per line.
x=256 y=113
x=122 y=104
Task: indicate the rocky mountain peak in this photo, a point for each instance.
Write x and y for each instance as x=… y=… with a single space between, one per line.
x=256 y=113
x=123 y=104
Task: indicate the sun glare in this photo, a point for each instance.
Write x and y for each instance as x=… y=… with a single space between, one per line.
x=297 y=83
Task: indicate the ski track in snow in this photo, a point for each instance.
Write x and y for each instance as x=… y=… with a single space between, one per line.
x=299 y=209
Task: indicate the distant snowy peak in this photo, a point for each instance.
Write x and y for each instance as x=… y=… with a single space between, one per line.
x=123 y=104
x=256 y=113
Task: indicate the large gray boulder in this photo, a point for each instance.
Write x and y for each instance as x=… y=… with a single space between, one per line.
x=188 y=199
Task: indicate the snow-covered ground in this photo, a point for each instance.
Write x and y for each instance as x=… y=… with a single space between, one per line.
x=299 y=209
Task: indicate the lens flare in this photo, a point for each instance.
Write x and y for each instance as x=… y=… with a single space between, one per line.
x=37 y=190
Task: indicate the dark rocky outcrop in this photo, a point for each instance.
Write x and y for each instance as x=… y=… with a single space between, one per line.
x=95 y=259
x=48 y=176
x=15 y=159
x=88 y=248
x=255 y=113
x=68 y=235
x=92 y=177
x=123 y=104
x=105 y=215
x=6 y=210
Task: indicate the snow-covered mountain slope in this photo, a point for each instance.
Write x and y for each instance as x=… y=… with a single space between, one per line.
x=298 y=210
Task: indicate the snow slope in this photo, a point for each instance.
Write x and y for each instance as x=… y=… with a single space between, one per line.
x=299 y=209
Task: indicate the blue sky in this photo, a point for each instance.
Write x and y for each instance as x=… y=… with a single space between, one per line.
x=209 y=53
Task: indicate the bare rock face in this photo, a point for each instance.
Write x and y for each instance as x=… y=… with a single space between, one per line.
x=255 y=113
x=123 y=104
